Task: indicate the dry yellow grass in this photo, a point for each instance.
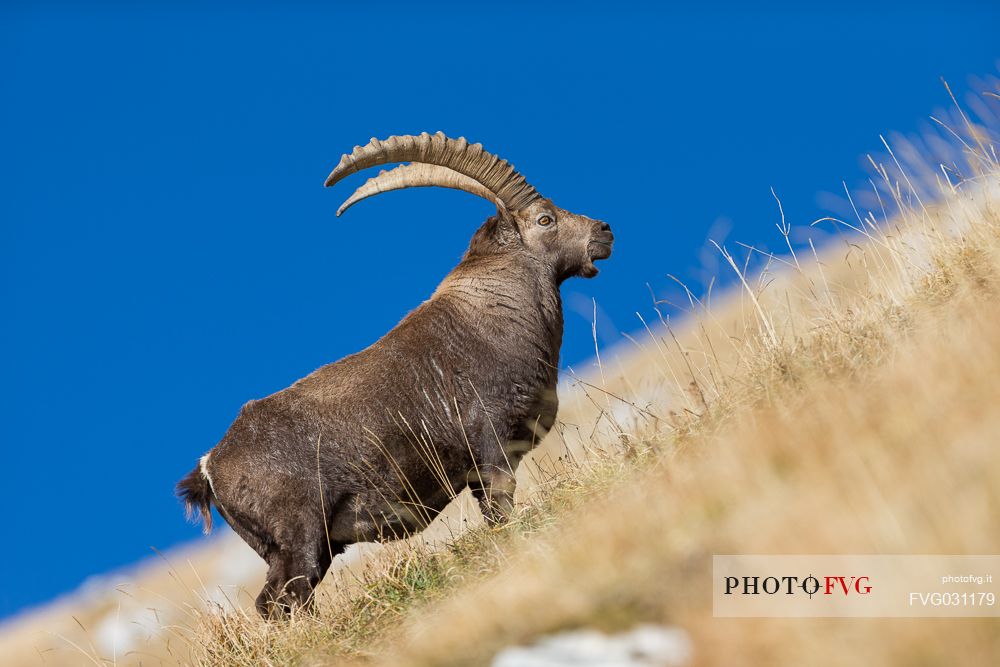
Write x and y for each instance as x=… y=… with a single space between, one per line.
x=840 y=403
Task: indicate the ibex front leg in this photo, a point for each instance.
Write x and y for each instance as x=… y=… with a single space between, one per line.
x=492 y=480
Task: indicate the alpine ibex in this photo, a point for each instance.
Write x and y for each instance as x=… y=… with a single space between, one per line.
x=372 y=447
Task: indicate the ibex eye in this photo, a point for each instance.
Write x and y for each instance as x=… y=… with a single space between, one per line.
x=545 y=220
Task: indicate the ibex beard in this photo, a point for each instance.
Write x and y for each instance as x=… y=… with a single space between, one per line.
x=374 y=446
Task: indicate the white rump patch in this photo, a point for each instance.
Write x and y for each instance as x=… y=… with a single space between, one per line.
x=204 y=471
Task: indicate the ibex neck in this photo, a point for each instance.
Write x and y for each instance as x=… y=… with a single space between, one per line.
x=513 y=290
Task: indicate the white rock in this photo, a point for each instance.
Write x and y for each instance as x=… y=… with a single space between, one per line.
x=644 y=646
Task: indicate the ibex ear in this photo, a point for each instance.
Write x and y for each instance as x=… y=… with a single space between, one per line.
x=508 y=224
x=502 y=212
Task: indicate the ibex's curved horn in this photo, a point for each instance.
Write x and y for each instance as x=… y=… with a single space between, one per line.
x=417 y=175
x=496 y=175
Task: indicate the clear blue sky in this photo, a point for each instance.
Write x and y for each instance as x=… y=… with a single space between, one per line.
x=168 y=250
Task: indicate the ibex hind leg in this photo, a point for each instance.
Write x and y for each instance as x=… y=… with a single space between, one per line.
x=264 y=544
x=294 y=572
x=282 y=589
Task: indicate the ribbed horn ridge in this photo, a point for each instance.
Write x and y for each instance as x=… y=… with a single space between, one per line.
x=417 y=175
x=496 y=175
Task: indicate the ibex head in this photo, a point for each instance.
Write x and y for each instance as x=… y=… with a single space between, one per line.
x=525 y=221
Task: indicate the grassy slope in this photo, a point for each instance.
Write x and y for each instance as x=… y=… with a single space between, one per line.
x=842 y=406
